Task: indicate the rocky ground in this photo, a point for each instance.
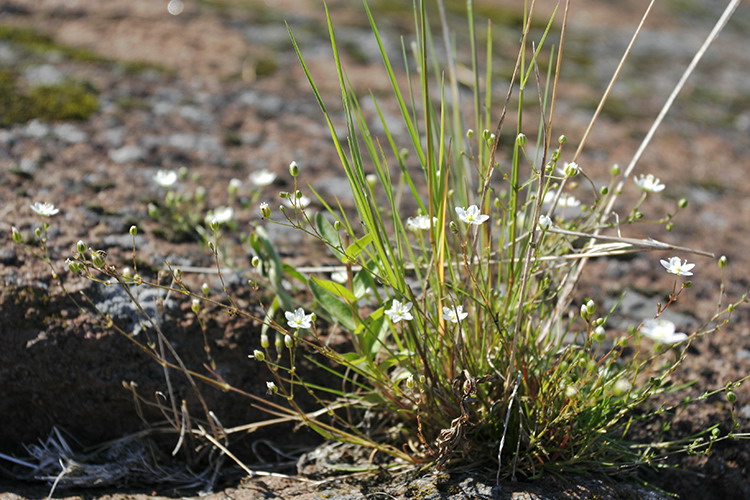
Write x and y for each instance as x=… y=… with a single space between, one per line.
x=129 y=89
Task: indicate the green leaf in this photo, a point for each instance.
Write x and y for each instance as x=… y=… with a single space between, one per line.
x=362 y=282
x=336 y=289
x=356 y=248
x=373 y=328
x=338 y=310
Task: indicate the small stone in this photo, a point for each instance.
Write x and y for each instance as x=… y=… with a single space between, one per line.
x=127 y=154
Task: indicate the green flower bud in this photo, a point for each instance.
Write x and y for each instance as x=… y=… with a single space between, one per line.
x=337 y=225
x=264 y=343
x=294 y=169
x=669 y=226
x=604 y=190
x=372 y=180
x=521 y=139
x=265 y=210
x=288 y=341
x=470 y=133
x=453 y=227
x=205 y=289
x=38 y=232
x=127 y=273
x=562 y=139
x=16 y=235
x=572 y=169
x=97 y=258
x=723 y=261
x=298 y=194
x=284 y=194
x=133 y=230
x=255 y=261
x=81 y=247
x=259 y=355
x=615 y=171
x=682 y=203
x=73 y=266
x=598 y=334
x=731 y=396
x=195 y=306
x=272 y=389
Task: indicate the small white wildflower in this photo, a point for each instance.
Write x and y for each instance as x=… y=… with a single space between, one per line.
x=662 y=331
x=471 y=215
x=454 y=314
x=545 y=222
x=262 y=178
x=571 y=169
x=340 y=276
x=300 y=203
x=420 y=223
x=265 y=210
x=399 y=311
x=221 y=215
x=234 y=185
x=567 y=201
x=298 y=318
x=272 y=389
x=675 y=266
x=649 y=183
x=44 y=209
x=165 y=178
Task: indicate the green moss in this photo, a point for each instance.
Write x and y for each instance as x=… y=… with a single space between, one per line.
x=39 y=43
x=69 y=100
x=35 y=42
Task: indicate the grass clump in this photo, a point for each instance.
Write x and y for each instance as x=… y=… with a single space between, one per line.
x=466 y=341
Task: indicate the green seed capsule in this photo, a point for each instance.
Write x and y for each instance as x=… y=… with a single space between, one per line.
x=731 y=396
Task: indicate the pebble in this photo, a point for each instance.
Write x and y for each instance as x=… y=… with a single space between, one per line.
x=70 y=133
x=127 y=154
x=46 y=74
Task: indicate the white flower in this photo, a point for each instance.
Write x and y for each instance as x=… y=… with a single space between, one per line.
x=298 y=319
x=294 y=202
x=571 y=169
x=420 y=223
x=235 y=184
x=454 y=314
x=471 y=215
x=44 y=209
x=399 y=311
x=165 y=178
x=340 y=276
x=662 y=330
x=674 y=266
x=565 y=200
x=649 y=183
x=221 y=215
x=262 y=177
x=545 y=222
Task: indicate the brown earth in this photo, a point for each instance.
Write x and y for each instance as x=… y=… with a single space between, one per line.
x=223 y=95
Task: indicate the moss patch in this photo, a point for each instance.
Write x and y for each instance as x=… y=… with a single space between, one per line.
x=69 y=100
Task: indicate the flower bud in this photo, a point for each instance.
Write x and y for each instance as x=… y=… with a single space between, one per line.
x=97 y=258
x=562 y=139
x=521 y=139
x=272 y=389
x=470 y=133
x=127 y=273
x=669 y=226
x=731 y=396
x=284 y=195
x=264 y=343
x=81 y=247
x=38 y=232
x=372 y=180
x=195 y=306
x=723 y=261
x=615 y=170
x=604 y=190
x=234 y=186
x=259 y=355
x=545 y=222
x=255 y=261
x=133 y=230
x=294 y=169
x=265 y=210
x=453 y=227
x=598 y=334
x=178 y=274
x=16 y=235
x=298 y=194
x=200 y=194
x=73 y=266
x=313 y=317
x=682 y=203
x=337 y=225
x=288 y=341
x=205 y=289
